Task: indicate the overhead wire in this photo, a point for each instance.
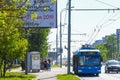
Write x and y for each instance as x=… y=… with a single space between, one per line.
x=110 y=17
x=106 y=4
x=112 y=21
x=96 y=31
x=93 y=36
x=103 y=26
x=97 y=28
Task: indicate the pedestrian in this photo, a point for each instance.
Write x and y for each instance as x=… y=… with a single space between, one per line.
x=9 y=66
x=23 y=65
x=42 y=66
x=45 y=65
x=49 y=64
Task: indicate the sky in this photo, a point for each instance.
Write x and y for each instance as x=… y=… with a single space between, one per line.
x=95 y=24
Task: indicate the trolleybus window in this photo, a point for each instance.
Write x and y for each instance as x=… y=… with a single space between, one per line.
x=89 y=60
x=89 y=52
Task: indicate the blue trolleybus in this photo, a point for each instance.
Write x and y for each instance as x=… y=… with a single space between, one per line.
x=87 y=60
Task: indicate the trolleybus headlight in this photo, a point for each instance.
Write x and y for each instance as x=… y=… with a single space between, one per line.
x=98 y=70
x=79 y=70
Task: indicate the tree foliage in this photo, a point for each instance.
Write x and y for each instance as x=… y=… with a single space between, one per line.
x=111 y=45
x=38 y=40
x=108 y=48
x=12 y=43
x=12 y=36
x=103 y=50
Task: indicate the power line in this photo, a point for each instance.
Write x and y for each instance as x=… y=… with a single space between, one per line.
x=99 y=28
x=106 y=3
x=75 y=34
x=114 y=9
x=94 y=33
x=94 y=36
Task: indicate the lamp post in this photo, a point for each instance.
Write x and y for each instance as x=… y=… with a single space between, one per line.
x=61 y=50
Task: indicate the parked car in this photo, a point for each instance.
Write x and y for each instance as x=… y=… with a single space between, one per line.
x=112 y=66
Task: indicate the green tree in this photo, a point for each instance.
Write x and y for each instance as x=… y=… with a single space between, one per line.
x=103 y=50
x=12 y=43
x=111 y=45
x=108 y=48
x=38 y=40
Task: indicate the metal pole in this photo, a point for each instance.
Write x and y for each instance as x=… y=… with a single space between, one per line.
x=61 y=50
x=26 y=63
x=69 y=35
x=56 y=46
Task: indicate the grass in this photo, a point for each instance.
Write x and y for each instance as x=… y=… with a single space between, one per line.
x=54 y=66
x=67 y=77
x=18 y=76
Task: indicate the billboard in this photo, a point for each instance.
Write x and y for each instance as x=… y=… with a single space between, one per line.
x=41 y=13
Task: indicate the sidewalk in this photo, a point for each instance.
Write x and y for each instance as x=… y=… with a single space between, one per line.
x=47 y=75
x=51 y=75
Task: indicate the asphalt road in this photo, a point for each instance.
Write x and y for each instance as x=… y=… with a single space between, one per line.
x=102 y=76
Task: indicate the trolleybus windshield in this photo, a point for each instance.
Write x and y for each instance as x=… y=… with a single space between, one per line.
x=89 y=60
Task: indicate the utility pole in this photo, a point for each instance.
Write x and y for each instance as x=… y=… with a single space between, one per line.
x=26 y=58
x=69 y=35
x=61 y=49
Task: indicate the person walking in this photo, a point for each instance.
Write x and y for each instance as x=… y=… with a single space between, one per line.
x=45 y=65
x=49 y=64
x=23 y=65
x=9 y=66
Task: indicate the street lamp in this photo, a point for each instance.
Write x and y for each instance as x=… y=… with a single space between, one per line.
x=61 y=50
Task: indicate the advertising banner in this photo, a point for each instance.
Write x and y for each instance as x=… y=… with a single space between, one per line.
x=41 y=13
x=36 y=61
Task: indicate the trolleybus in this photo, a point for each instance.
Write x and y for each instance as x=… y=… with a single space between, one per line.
x=87 y=60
